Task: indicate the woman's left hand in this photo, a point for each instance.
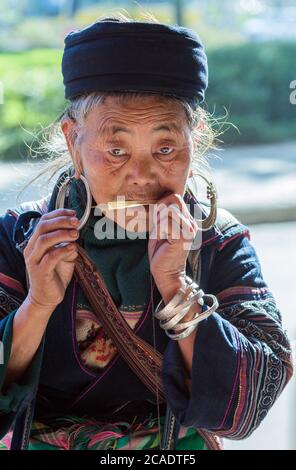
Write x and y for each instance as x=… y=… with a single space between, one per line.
x=170 y=240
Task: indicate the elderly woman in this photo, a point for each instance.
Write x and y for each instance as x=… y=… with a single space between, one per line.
x=116 y=333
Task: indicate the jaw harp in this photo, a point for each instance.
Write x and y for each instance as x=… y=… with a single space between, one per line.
x=125 y=204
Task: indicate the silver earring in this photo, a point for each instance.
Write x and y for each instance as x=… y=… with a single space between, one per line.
x=64 y=191
x=208 y=223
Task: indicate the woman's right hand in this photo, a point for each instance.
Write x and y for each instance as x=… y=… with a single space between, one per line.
x=51 y=268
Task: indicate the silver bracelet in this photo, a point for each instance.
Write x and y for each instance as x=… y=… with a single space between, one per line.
x=192 y=324
x=168 y=311
x=178 y=307
x=181 y=311
x=182 y=335
x=199 y=316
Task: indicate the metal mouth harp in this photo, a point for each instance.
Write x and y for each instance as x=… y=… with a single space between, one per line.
x=113 y=205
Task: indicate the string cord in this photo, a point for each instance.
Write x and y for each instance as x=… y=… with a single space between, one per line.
x=154 y=345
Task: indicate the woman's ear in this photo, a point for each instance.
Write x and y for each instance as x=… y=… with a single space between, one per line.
x=69 y=129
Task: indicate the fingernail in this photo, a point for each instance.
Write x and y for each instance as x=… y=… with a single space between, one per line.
x=74 y=221
x=74 y=233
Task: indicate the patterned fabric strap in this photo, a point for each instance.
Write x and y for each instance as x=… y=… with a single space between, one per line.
x=141 y=357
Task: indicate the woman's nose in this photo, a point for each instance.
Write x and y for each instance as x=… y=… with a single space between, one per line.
x=142 y=172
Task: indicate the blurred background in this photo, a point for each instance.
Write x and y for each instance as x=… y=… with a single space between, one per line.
x=251 y=47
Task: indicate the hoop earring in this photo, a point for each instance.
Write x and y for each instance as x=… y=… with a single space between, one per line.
x=64 y=191
x=208 y=223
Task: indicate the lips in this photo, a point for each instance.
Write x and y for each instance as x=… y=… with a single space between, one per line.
x=144 y=197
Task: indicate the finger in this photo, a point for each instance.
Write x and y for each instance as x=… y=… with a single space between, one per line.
x=46 y=226
x=175 y=218
x=173 y=228
x=57 y=213
x=174 y=211
x=173 y=198
x=56 y=255
x=51 y=221
x=177 y=205
x=48 y=240
x=153 y=245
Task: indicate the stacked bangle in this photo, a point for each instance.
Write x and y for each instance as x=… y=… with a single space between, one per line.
x=171 y=314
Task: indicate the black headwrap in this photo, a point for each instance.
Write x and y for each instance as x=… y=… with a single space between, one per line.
x=109 y=55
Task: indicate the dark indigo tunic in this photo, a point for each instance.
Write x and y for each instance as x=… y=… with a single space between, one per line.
x=241 y=361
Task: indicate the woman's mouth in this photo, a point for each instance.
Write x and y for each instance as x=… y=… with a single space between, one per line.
x=131 y=203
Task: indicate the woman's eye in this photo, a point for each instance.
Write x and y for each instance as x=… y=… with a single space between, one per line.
x=119 y=152
x=116 y=152
x=167 y=150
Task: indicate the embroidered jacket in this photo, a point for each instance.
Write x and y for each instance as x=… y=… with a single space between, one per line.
x=242 y=356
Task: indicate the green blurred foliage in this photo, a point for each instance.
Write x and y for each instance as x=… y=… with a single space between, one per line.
x=253 y=82
x=250 y=80
x=33 y=97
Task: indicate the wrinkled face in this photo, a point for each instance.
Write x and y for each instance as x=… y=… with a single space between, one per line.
x=140 y=148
